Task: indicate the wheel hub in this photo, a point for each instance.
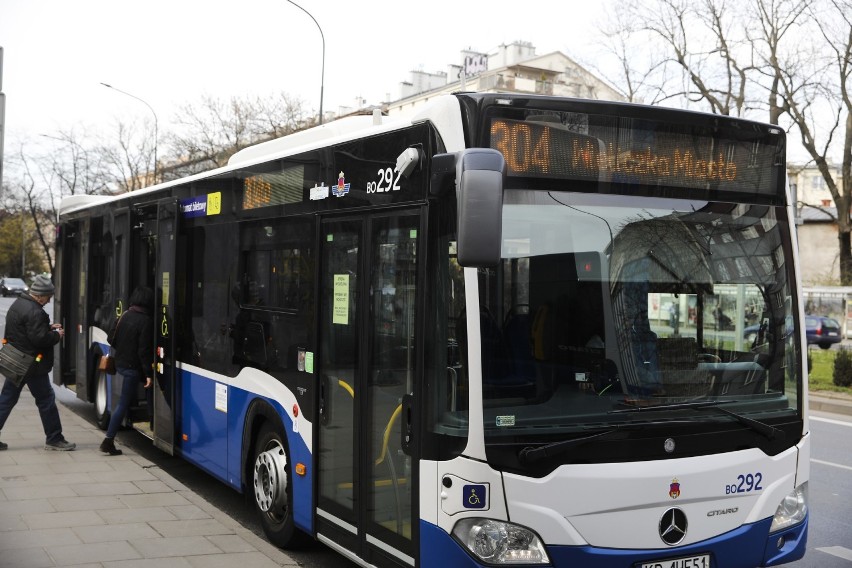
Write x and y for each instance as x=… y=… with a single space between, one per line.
x=270 y=479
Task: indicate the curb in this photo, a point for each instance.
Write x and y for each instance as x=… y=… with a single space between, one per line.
x=829 y=403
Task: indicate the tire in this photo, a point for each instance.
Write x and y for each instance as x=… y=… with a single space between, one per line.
x=825 y=345
x=271 y=472
x=101 y=400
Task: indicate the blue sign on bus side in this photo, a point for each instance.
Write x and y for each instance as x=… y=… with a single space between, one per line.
x=194 y=206
x=474 y=497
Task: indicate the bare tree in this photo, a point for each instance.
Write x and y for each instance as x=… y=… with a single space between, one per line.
x=815 y=89
x=794 y=64
x=637 y=70
x=130 y=155
x=212 y=130
x=706 y=41
x=71 y=165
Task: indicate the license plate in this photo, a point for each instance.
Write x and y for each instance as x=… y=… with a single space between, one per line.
x=832 y=333
x=701 y=561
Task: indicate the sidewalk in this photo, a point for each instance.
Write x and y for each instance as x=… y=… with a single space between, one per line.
x=86 y=509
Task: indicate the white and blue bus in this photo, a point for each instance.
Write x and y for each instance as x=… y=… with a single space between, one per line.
x=501 y=330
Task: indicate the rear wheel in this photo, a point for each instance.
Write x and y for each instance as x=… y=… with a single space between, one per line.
x=101 y=400
x=825 y=345
x=272 y=488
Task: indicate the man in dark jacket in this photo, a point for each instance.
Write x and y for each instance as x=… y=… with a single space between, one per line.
x=28 y=328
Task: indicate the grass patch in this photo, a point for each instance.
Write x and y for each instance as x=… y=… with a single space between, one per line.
x=822 y=369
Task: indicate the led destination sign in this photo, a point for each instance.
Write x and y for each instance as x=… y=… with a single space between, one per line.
x=633 y=155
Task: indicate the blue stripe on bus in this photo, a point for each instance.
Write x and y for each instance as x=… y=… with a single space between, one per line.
x=749 y=545
x=214 y=438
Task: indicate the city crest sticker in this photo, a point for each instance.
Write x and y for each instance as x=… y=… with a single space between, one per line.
x=342 y=188
x=674 y=489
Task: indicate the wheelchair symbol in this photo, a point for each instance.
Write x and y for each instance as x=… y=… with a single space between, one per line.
x=474 y=496
x=473 y=500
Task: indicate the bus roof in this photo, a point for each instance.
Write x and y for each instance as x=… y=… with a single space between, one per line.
x=339 y=131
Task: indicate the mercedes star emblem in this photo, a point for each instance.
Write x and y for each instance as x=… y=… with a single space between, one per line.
x=673 y=526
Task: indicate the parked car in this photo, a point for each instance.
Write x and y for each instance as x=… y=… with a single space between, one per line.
x=12 y=286
x=823 y=331
x=751 y=332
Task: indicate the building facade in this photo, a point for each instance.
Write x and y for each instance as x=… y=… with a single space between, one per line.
x=817 y=224
x=511 y=68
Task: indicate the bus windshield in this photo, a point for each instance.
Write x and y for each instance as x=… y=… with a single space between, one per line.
x=623 y=312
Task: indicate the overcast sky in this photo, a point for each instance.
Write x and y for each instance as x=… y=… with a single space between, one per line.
x=170 y=52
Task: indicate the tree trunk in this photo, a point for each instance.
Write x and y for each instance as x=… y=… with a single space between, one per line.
x=845 y=258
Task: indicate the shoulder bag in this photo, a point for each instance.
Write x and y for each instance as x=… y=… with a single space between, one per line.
x=14 y=363
x=107 y=362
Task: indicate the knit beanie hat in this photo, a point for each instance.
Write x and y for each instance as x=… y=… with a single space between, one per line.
x=42 y=286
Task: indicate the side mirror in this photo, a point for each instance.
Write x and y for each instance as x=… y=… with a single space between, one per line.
x=480 y=176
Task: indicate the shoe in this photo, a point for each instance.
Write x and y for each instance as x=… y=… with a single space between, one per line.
x=60 y=446
x=3 y=446
x=108 y=447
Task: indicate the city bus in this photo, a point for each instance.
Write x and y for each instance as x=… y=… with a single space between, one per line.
x=498 y=330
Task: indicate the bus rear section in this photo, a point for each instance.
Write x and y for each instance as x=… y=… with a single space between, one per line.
x=609 y=406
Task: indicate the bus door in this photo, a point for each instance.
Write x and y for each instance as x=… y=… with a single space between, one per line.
x=69 y=305
x=164 y=311
x=367 y=500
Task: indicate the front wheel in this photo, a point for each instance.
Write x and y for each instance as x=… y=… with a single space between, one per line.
x=273 y=492
x=101 y=400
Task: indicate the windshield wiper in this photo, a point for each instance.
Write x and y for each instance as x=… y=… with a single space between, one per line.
x=530 y=454
x=767 y=431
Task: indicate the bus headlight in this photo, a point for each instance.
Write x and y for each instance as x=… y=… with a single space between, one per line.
x=792 y=509
x=498 y=542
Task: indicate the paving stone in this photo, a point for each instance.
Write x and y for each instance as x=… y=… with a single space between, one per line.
x=44 y=492
x=245 y=559
x=37 y=538
x=189 y=512
x=232 y=543
x=94 y=503
x=153 y=486
x=115 y=532
x=143 y=515
x=114 y=475
x=175 y=562
x=175 y=546
x=80 y=467
x=42 y=479
x=101 y=552
x=118 y=488
x=25 y=558
x=153 y=500
x=62 y=519
x=27 y=506
x=10 y=523
x=198 y=527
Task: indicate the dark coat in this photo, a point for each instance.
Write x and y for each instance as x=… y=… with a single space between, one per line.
x=132 y=341
x=28 y=329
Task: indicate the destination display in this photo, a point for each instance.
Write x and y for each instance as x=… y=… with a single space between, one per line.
x=621 y=153
x=265 y=190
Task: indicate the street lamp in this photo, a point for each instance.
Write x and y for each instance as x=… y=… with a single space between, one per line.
x=322 y=76
x=155 y=121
